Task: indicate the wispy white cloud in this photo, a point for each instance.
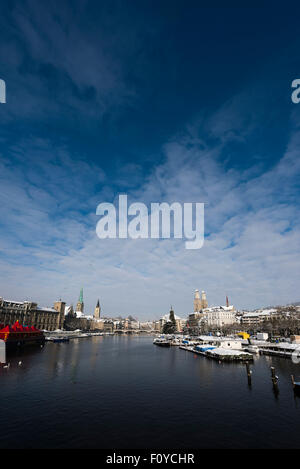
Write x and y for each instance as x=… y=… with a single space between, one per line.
x=50 y=249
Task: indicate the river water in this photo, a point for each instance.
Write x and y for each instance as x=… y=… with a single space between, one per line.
x=124 y=392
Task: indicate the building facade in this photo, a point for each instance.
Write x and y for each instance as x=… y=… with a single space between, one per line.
x=30 y=314
x=194 y=319
x=219 y=316
x=256 y=317
x=156 y=326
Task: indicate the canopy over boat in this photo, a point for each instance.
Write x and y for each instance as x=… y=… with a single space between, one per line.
x=17 y=329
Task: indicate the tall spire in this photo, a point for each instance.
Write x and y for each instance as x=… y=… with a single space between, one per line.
x=97 y=310
x=81 y=295
x=80 y=304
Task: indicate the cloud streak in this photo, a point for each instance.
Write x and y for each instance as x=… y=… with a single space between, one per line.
x=49 y=246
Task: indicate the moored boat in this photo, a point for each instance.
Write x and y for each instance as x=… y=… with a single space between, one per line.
x=17 y=335
x=60 y=339
x=162 y=342
x=296 y=385
x=251 y=349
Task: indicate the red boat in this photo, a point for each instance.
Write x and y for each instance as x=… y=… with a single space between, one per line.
x=19 y=336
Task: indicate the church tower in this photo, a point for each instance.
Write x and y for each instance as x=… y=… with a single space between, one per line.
x=203 y=300
x=80 y=303
x=59 y=306
x=97 y=311
x=197 y=302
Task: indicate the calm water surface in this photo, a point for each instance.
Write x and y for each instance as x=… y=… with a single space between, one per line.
x=124 y=392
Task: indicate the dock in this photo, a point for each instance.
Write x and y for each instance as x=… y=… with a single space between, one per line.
x=228 y=355
x=220 y=354
x=65 y=336
x=282 y=349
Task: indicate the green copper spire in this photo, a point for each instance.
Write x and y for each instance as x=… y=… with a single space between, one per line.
x=81 y=295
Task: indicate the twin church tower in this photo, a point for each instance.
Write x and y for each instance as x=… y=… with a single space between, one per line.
x=200 y=303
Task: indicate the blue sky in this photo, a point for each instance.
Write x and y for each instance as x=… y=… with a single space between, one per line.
x=163 y=101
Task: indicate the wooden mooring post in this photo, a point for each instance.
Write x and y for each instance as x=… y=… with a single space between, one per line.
x=273 y=375
x=274 y=378
x=249 y=373
x=293 y=381
x=296 y=387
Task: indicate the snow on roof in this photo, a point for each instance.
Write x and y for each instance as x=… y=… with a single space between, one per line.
x=51 y=310
x=15 y=302
x=259 y=342
x=285 y=345
x=272 y=310
x=218 y=308
x=213 y=338
x=166 y=317
x=257 y=313
x=68 y=309
x=225 y=351
x=83 y=316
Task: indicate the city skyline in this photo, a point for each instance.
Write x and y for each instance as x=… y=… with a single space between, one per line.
x=78 y=307
x=163 y=105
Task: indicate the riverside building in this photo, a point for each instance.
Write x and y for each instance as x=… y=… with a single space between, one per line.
x=218 y=316
x=28 y=313
x=257 y=317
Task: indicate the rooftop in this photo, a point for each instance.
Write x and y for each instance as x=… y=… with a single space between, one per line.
x=50 y=310
x=166 y=317
x=212 y=309
x=213 y=338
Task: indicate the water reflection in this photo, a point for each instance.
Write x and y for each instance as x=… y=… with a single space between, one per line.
x=123 y=391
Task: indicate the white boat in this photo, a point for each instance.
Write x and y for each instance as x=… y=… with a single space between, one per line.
x=281 y=349
x=162 y=342
x=252 y=349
